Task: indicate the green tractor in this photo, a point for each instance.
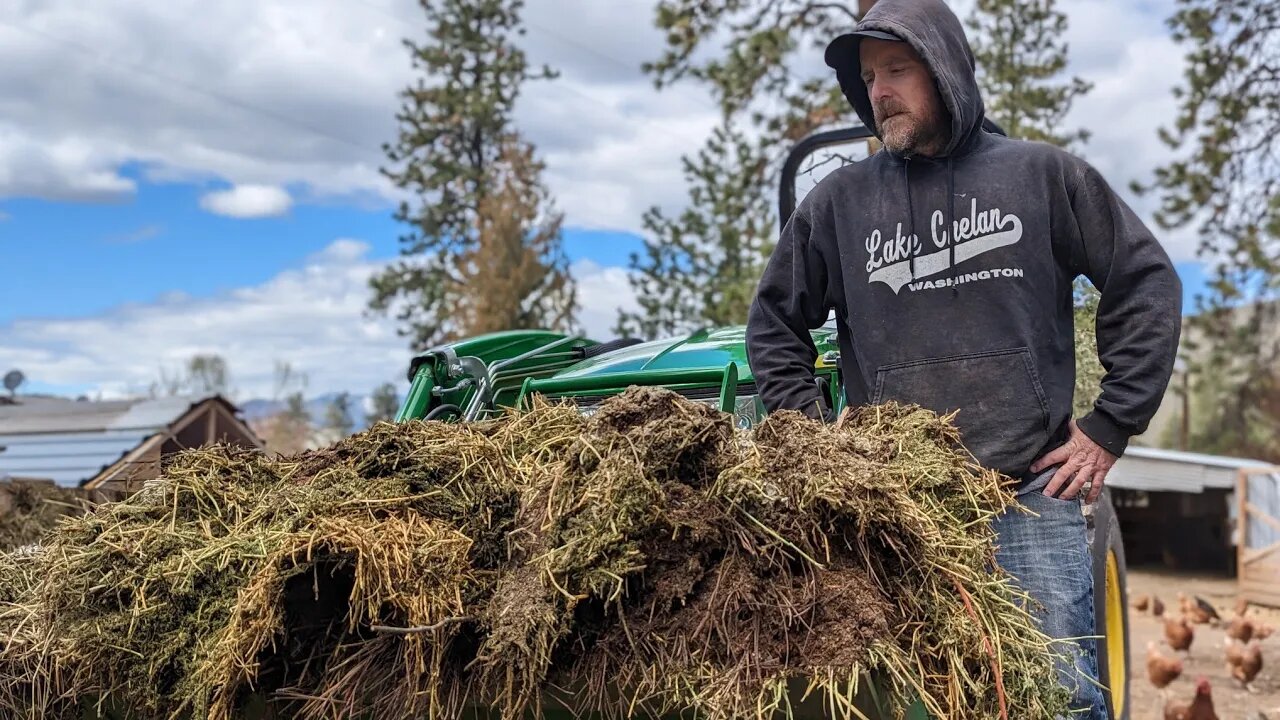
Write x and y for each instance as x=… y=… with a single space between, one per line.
x=480 y=376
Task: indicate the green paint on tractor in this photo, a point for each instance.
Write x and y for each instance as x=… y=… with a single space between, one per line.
x=487 y=374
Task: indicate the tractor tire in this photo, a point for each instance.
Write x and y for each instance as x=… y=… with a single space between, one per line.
x=1111 y=607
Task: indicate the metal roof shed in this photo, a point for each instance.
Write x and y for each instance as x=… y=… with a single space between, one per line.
x=1177 y=495
x=111 y=444
x=1157 y=470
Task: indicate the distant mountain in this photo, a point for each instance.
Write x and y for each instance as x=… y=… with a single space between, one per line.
x=259 y=408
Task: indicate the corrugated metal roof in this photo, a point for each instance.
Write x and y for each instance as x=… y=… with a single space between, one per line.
x=1156 y=470
x=66 y=458
x=71 y=441
x=53 y=415
x=1189 y=457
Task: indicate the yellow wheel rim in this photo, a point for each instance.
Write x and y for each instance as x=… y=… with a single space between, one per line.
x=1117 y=662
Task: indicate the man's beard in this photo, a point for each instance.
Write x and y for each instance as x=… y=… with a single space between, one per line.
x=908 y=133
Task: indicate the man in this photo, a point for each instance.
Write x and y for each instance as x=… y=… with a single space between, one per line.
x=948 y=260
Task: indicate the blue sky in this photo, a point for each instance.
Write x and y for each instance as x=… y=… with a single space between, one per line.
x=67 y=259
x=214 y=187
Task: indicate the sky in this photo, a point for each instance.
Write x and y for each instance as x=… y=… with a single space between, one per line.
x=184 y=177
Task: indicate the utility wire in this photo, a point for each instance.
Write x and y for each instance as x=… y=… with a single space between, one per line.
x=282 y=118
x=185 y=85
x=684 y=90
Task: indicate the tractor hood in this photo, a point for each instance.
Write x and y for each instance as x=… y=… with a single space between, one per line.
x=704 y=349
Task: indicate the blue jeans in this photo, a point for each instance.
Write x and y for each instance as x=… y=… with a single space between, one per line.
x=1049 y=558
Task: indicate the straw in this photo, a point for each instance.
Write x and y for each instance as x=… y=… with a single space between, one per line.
x=648 y=559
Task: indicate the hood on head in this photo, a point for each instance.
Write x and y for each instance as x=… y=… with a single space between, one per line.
x=936 y=34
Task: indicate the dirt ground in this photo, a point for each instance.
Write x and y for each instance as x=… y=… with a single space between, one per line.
x=1206 y=654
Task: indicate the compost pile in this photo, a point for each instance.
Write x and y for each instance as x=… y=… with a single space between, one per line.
x=29 y=510
x=649 y=558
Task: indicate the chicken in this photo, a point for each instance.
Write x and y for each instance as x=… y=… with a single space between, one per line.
x=1201 y=612
x=1200 y=707
x=1248 y=665
x=1209 y=609
x=1240 y=628
x=1262 y=631
x=1142 y=603
x=1157 y=606
x=1242 y=606
x=1179 y=633
x=1161 y=670
x=1234 y=653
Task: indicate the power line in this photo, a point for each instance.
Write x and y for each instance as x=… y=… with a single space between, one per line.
x=188 y=86
x=684 y=90
x=283 y=118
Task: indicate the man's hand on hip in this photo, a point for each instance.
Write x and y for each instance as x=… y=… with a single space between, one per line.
x=1082 y=461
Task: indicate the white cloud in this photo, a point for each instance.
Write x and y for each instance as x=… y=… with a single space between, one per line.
x=248 y=201
x=603 y=292
x=60 y=168
x=302 y=93
x=312 y=316
x=1124 y=49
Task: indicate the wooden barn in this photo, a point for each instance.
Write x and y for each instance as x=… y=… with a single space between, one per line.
x=109 y=446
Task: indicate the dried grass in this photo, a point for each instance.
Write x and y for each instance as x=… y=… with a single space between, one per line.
x=649 y=559
x=31 y=509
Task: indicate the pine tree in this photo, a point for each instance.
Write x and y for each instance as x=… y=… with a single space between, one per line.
x=485 y=249
x=208 y=375
x=386 y=404
x=1225 y=183
x=700 y=267
x=337 y=417
x=519 y=272
x=724 y=234
x=202 y=375
x=297 y=414
x=289 y=431
x=1020 y=55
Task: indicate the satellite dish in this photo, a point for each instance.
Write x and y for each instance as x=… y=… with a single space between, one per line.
x=12 y=380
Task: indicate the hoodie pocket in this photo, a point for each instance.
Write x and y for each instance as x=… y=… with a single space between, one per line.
x=1003 y=415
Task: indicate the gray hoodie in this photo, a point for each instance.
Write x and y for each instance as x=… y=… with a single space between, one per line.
x=951 y=277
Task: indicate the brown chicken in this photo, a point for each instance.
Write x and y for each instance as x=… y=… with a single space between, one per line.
x=1142 y=603
x=1161 y=670
x=1179 y=633
x=1248 y=664
x=1157 y=606
x=1234 y=652
x=1262 y=631
x=1202 y=613
x=1242 y=606
x=1200 y=707
x=1240 y=628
